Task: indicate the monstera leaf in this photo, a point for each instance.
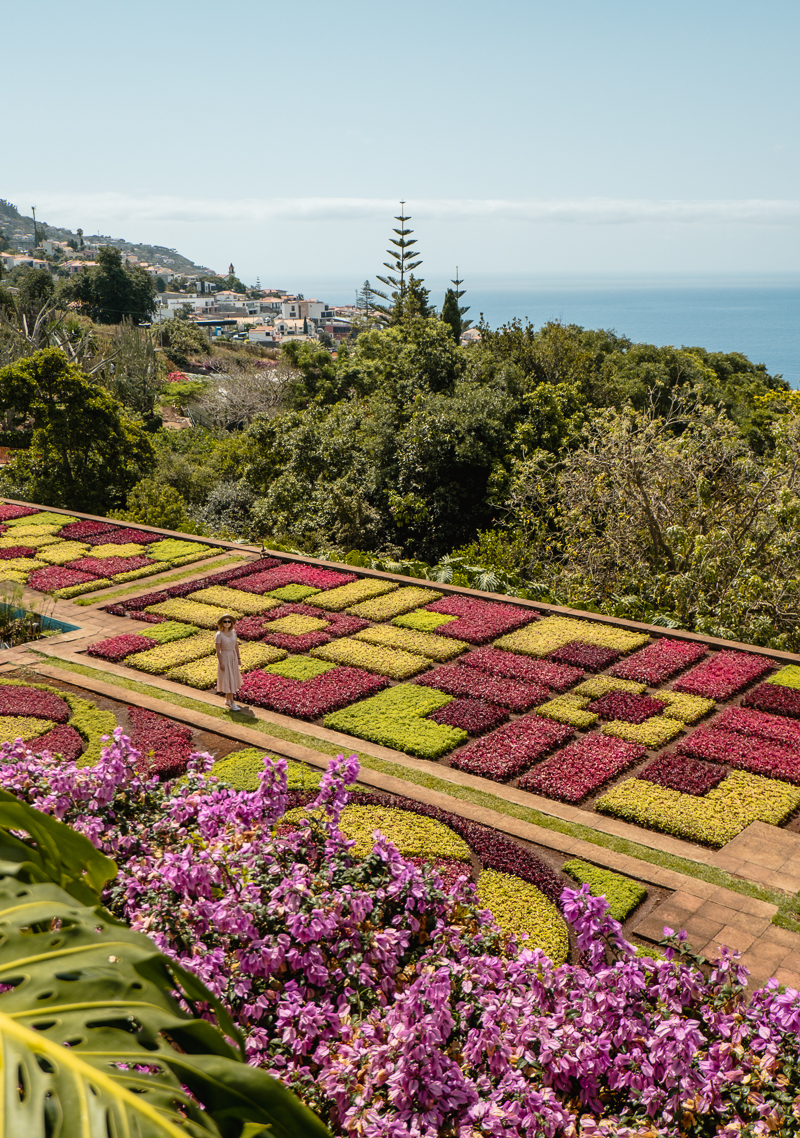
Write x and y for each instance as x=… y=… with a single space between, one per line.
x=93 y=1043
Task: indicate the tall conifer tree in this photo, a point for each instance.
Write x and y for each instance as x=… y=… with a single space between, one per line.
x=400 y=276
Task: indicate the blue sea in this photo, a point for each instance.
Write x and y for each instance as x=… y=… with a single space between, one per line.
x=756 y=315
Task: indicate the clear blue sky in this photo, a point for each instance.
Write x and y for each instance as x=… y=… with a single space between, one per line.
x=577 y=136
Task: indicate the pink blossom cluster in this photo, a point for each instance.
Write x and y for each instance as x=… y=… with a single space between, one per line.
x=454 y=679
x=509 y=750
x=392 y=1006
x=760 y=725
x=55 y=577
x=116 y=648
x=592 y=657
x=723 y=674
x=18 y=700
x=658 y=661
x=79 y=531
x=775 y=698
x=684 y=773
x=471 y=715
x=122 y=536
x=16 y=551
x=581 y=768
x=294 y=574
x=310 y=699
x=496 y=662
x=772 y=760
x=479 y=621
x=8 y=512
x=626 y=706
x=164 y=746
x=108 y=566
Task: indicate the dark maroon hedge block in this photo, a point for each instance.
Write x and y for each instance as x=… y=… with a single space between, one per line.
x=759 y=725
x=122 y=536
x=626 y=706
x=723 y=674
x=9 y=512
x=509 y=750
x=108 y=566
x=479 y=621
x=165 y=746
x=589 y=656
x=310 y=699
x=773 y=760
x=17 y=551
x=147 y=617
x=684 y=774
x=496 y=662
x=116 y=648
x=79 y=531
x=265 y=582
x=581 y=768
x=471 y=715
x=774 y=698
x=62 y=740
x=455 y=680
x=115 y=610
x=56 y=577
x=657 y=662
x=247 y=570
x=18 y=700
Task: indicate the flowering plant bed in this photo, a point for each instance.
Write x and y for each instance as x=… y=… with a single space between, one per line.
x=63 y=552
x=300 y=667
x=569 y=708
x=658 y=661
x=553 y=632
x=9 y=512
x=119 y=551
x=62 y=740
x=760 y=725
x=165 y=631
x=471 y=715
x=84 y=587
x=165 y=747
x=686 y=708
x=293 y=593
x=454 y=679
x=345 y=596
x=522 y=911
x=309 y=699
x=625 y=705
x=592 y=657
x=121 y=536
x=498 y=663
x=774 y=697
x=723 y=675
x=172 y=549
x=106 y=566
x=392 y=662
x=597 y=686
x=479 y=621
x=395 y=718
x=14 y=551
x=55 y=577
x=116 y=648
x=789 y=676
x=22 y=700
x=581 y=768
x=684 y=773
x=421 y=643
x=41 y=518
x=81 y=530
x=509 y=750
x=398 y=603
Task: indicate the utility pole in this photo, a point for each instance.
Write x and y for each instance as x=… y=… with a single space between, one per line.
x=35 y=231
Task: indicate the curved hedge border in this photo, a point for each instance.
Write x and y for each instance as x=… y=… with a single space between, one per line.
x=622 y=894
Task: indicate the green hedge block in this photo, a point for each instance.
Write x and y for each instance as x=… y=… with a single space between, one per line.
x=788 y=677
x=422 y=620
x=622 y=894
x=545 y=636
x=568 y=709
x=292 y=593
x=392 y=662
x=168 y=631
x=202 y=674
x=395 y=604
x=193 y=612
x=300 y=668
x=219 y=596
x=242 y=770
x=438 y=648
x=336 y=600
x=520 y=909
x=158 y=660
x=394 y=718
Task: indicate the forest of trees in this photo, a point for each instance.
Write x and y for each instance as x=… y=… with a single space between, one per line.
x=569 y=465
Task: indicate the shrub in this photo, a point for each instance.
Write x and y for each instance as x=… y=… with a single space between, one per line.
x=508 y=664
x=723 y=675
x=569 y=708
x=158 y=660
x=471 y=715
x=581 y=768
x=203 y=673
x=310 y=699
x=193 y=612
x=509 y=750
x=395 y=718
x=684 y=773
x=622 y=894
x=421 y=643
x=395 y=604
x=658 y=661
x=589 y=656
x=422 y=621
x=392 y=662
x=454 y=679
x=553 y=632
x=774 y=697
x=625 y=705
x=715 y=819
x=345 y=596
x=225 y=598
x=522 y=911
x=479 y=621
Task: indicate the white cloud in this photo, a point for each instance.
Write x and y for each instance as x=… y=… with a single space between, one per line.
x=103 y=209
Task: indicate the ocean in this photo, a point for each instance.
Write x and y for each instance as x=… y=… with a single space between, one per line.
x=756 y=315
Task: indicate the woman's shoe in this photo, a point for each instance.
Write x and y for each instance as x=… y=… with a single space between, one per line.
x=235 y=707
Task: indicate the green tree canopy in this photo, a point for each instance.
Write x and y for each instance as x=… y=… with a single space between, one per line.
x=112 y=291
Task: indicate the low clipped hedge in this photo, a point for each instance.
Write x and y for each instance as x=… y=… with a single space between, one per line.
x=395 y=604
x=169 y=630
x=569 y=708
x=24 y=727
x=175 y=550
x=520 y=910
x=395 y=718
x=653 y=733
x=156 y=661
x=554 y=632
x=391 y=662
x=622 y=894
x=242 y=770
x=420 y=643
x=202 y=673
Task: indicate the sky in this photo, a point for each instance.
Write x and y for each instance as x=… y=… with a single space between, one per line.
x=568 y=137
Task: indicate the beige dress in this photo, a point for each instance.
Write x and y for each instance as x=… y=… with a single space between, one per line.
x=229 y=676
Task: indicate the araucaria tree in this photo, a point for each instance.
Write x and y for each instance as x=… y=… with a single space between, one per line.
x=408 y=297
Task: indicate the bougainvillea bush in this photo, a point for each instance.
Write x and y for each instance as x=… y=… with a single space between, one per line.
x=394 y=1006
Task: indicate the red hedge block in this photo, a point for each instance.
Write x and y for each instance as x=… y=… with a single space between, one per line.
x=684 y=773
x=108 y=566
x=471 y=715
x=165 y=746
x=8 y=512
x=17 y=551
x=496 y=662
x=589 y=656
x=776 y=698
x=479 y=621
x=626 y=706
x=657 y=662
x=62 y=740
x=57 y=577
x=119 y=536
x=581 y=768
x=723 y=675
x=455 y=680
x=80 y=531
x=265 y=582
x=759 y=725
x=509 y=750
x=116 y=648
x=310 y=699
x=769 y=759
x=18 y=700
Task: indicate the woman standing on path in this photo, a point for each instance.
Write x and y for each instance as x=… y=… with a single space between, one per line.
x=229 y=676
